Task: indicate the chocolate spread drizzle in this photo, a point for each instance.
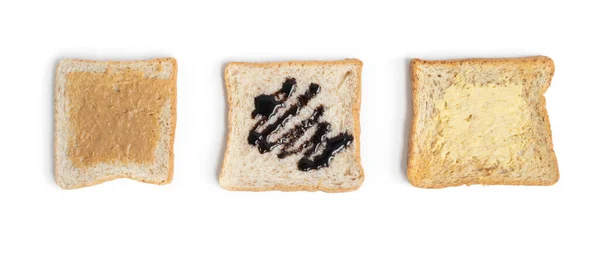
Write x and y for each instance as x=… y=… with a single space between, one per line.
x=266 y=107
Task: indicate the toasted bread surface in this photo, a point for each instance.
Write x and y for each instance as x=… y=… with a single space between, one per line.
x=481 y=121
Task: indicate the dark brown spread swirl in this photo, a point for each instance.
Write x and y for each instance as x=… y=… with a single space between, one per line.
x=267 y=105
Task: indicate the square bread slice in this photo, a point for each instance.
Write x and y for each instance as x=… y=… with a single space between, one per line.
x=114 y=120
x=293 y=126
x=481 y=121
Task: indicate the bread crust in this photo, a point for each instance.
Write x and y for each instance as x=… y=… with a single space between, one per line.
x=355 y=114
x=172 y=119
x=417 y=179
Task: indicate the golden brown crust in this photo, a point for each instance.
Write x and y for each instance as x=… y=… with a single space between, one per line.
x=173 y=119
x=290 y=189
x=107 y=179
x=56 y=96
x=229 y=120
x=412 y=178
x=355 y=114
x=416 y=179
x=544 y=112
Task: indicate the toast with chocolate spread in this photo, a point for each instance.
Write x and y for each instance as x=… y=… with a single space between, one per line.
x=114 y=120
x=293 y=126
x=481 y=121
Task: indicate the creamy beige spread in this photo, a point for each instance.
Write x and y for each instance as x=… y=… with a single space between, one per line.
x=114 y=116
x=481 y=121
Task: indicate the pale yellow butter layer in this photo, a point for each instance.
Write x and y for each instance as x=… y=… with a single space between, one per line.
x=482 y=122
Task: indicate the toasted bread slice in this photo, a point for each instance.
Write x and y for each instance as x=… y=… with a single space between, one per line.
x=114 y=120
x=293 y=126
x=481 y=121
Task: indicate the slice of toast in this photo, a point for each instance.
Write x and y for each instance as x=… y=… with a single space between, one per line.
x=293 y=126
x=481 y=121
x=114 y=120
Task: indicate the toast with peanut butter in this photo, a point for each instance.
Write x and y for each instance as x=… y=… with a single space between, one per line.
x=114 y=120
x=481 y=121
x=293 y=126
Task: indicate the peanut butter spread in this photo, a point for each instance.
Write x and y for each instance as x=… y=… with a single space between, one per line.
x=114 y=116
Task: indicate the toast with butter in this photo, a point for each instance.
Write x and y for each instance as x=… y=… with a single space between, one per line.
x=293 y=126
x=114 y=120
x=481 y=121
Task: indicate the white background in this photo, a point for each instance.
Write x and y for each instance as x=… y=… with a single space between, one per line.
x=387 y=215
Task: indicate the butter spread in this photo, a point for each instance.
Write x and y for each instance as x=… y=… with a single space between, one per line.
x=114 y=116
x=483 y=122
